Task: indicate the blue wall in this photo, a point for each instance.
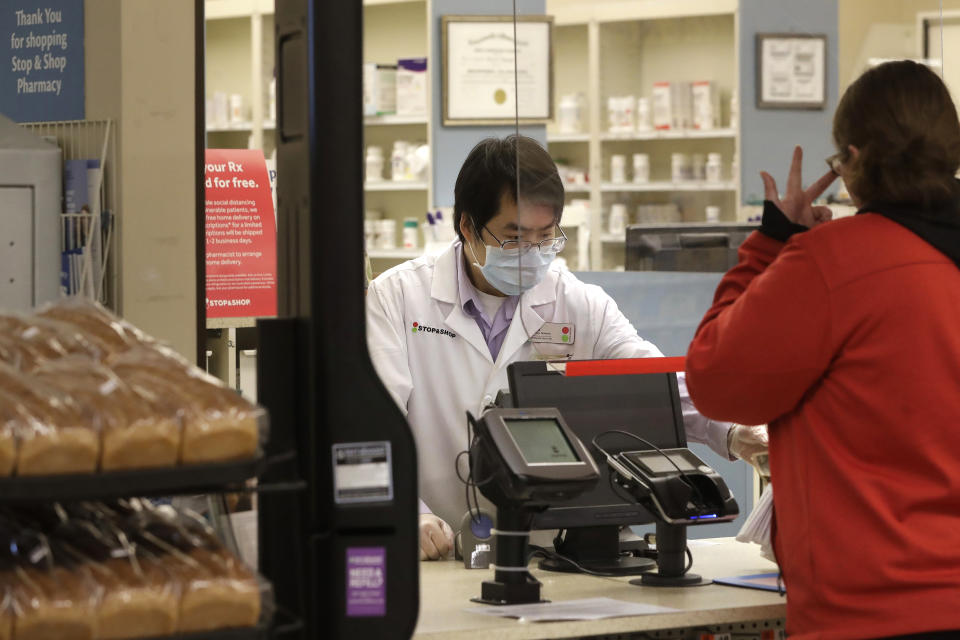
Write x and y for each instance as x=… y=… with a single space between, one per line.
x=769 y=135
x=450 y=145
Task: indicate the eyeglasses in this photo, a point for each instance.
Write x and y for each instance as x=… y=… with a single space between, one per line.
x=835 y=162
x=523 y=247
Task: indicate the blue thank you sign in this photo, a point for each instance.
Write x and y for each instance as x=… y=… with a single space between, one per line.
x=41 y=69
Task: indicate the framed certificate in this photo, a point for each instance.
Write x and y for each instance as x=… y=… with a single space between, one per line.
x=791 y=71
x=485 y=69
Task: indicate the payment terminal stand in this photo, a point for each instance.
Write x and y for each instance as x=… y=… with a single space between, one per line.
x=679 y=489
x=524 y=460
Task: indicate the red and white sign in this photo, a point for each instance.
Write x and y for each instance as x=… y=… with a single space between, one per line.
x=241 y=234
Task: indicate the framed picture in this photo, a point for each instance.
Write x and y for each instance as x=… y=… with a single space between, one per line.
x=791 y=71
x=482 y=77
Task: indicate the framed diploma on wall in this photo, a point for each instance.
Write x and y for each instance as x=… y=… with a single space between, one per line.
x=791 y=71
x=482 y=79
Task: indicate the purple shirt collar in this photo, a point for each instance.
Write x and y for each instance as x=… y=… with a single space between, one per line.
x=494 y=329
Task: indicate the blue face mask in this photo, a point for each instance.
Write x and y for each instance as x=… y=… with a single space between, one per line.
x=512 y=274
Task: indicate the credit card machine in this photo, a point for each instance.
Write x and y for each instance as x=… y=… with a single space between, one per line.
x=675 y=485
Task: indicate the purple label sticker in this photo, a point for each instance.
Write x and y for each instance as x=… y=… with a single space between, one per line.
x=366 y=582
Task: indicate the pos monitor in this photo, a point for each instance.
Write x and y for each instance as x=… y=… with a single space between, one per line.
x=647 y=405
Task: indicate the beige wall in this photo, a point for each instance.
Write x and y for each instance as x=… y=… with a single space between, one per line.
x=140 y=72
x=879 y=29
x=157 y=204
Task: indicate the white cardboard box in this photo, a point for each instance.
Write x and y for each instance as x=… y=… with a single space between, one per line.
x=411 y=84
x=379 y=89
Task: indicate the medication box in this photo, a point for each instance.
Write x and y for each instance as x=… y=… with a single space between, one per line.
x=379 y=89
x=705 y=106
x=411 y=85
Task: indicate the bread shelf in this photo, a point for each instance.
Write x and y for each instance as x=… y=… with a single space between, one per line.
x=259 y=632
x=218 y=477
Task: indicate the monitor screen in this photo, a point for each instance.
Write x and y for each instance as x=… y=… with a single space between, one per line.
x=541 y=441
x=646 y=405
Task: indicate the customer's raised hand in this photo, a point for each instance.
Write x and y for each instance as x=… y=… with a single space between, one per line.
x=797 y=202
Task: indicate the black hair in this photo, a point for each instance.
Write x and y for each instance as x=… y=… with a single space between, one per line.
x=490 y=170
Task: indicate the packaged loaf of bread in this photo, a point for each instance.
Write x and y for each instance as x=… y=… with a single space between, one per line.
x=217 y=590
x=13 y=420
x=134 y=432
x=111 y=333
x=6 y=599
x=52 y=596
x=138 y=597
x=27 y=341
x=218 y=423
x=58 y=438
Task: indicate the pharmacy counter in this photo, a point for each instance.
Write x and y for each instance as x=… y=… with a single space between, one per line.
x=446 y=589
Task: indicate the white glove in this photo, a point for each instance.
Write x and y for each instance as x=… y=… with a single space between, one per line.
x=436 y=537
x=749 y=443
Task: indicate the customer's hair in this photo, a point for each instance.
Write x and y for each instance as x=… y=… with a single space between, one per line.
x=902 y=120
x=491 y=170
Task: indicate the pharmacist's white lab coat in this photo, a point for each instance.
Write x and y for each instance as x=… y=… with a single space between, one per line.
x=444 y=368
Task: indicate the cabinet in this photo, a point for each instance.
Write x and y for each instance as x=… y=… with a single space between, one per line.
x=608 y=49
x=240 y=61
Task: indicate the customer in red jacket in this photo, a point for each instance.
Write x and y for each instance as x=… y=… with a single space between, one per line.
x=845 y=338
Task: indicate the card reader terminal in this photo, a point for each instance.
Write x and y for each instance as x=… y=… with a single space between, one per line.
x=532 y=458
x=676 y=485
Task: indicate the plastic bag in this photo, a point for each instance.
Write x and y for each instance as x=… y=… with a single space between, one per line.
x=54 y=436
x=51 y=595
x=138 y=597
x=134 y=433
x=218 y=423
x=217 y=590
x=111 y=333
x=26 y=342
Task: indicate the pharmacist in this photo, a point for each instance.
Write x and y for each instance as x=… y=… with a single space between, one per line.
x=442 y=329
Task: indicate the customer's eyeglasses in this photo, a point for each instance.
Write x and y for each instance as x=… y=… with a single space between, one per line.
x=835 y=162
x=522 y=247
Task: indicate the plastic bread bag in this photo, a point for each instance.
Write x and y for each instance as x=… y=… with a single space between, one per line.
x=6 y=597
x=52 y=595
x=218 y=423
x=134 y=433
x=217 y=590
x=111 y=333
x=56 y=438
x=27 y=341
x=138 y=597
x=13 y=421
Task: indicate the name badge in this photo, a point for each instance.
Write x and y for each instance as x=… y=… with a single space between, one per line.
x=554 y=333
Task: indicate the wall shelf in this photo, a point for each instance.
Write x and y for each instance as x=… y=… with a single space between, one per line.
x=394 y=120
x=567 y=137
x=686 y=134
x=394 y=254
x=610 y=187
x=391 y=185
x=231 y=126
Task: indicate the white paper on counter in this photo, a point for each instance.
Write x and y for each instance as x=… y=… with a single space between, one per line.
x=586 y=609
